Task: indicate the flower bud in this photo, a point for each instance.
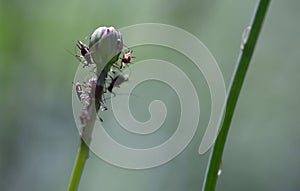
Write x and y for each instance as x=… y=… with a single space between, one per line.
x=105 y=44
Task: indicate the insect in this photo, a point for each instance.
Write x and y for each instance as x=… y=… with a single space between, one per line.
x=92 y=92
x=99 y=92
x=85 y=54
x=85 y=100
x=95 y=92
x=84 y=49
x=126 y=59
x=80 y=92
x=117 y=81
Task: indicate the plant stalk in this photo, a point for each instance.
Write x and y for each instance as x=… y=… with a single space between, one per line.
x=86 y=135
x=82 y=156
x=233 y=94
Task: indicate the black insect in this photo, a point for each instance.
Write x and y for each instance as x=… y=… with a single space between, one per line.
x=117 y=81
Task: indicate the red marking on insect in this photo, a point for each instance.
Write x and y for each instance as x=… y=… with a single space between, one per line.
x=126 y=59
x=84 y=49
x=85 y=57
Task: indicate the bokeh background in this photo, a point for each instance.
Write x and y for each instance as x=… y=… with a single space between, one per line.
x=38 y=135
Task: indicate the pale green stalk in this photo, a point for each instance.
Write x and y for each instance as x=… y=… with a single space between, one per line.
x=233 y=94
x=83 y=152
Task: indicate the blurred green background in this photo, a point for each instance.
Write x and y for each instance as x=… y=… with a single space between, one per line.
x=38 y=135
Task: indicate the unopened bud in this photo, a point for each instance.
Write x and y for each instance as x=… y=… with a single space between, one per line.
x=105 y=44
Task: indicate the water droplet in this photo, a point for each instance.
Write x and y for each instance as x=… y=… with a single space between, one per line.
x=220 y=168
x=245 y=37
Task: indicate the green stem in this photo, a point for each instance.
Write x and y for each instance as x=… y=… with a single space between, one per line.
x=83 y=152
x=233 y=94
x=82 y=155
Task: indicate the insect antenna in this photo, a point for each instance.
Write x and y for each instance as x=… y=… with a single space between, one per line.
x=75 y=55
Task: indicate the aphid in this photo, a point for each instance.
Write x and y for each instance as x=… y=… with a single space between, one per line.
x=84 y=117
x=126 y=59
x=90 y=86
x=85 y=57
x=117 y=81
x=84 y=98
x=84 y=49
x=86 y=94
x=81 y=93
x=79 y=90
x=96 y=92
